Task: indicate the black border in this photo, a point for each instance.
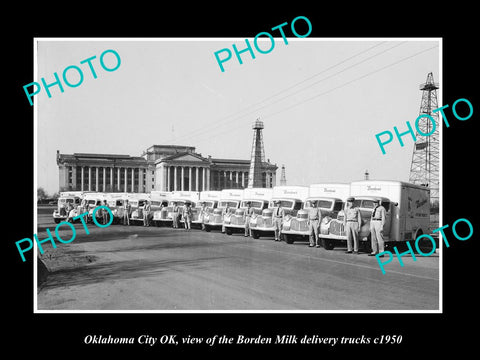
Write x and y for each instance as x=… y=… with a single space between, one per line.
x=63 y=334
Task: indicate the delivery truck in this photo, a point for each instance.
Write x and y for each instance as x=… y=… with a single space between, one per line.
x=407 y=213
x=329 y=198
x=229 y=199
x=66 y=201
x=291 y=200
x=258 y=198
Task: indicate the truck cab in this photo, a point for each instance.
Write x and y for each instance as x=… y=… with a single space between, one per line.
x=137 y=202
x=296 y=227
x=115 y=202
x=164 y=216
x=291 y=200
x=159 y=204
x=259 y=199
x=66 y=200
x=209 y=200
x=93 y=200
x=229 y=199
x=328 y=197
x=407 y=213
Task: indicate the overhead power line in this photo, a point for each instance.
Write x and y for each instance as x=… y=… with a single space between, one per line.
x=237 y=115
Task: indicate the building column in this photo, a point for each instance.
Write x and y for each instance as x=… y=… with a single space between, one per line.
x=111 y=179
x=208 y=179
x=96 y=178
x=133 y=180
x=168 y=177
x=190 y=178
x=203 y=179
x=125 y=180
x=182 y=177
x=274 y=181
x=174 y=178
x=82 y=177
x=118 y=180
x=197 y=174
x=140 y=180
x=89 y=178
x=104 y=178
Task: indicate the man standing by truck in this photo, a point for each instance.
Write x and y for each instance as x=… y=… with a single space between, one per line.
x=146 y=213
x=248 y=215
x=277 y=219
x=376 y=228
x=175 y=212
x=126 y=212
x=314 y=218
x=352 y=223
x=187 y=216
x=202 y=213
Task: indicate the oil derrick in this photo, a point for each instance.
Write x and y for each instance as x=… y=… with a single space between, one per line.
x=424 y=169
x=283 y=178
x=257 y=156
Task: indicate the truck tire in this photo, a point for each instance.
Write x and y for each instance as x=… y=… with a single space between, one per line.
x=255 y=234
x=57 y=221
x=289 y=239
x=207 y=228
x=228 y=231
x=424 y=246
x=328 y=244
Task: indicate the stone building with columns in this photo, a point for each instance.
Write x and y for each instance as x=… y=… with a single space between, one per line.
x=161 y=167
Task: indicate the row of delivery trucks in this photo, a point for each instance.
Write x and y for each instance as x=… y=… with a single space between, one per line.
x=407 y=209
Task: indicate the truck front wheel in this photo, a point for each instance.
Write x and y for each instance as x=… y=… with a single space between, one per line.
x=289 y=239
x=328 y=244
x=255 y=234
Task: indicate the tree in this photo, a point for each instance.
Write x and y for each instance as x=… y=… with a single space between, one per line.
x=41 y=193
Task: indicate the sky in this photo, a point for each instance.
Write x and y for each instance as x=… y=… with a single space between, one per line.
x=322 y=102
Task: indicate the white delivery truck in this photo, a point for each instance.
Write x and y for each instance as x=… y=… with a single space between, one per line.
x=407 y=212
x=137 y=201
x=66 y=200
x=159 y=204
x=93 y=199
x=291 y=199
x=210 y=199
x=229 y=198
x=329 y=198
x=181 y=198
x=116 y=201
x=258 y=198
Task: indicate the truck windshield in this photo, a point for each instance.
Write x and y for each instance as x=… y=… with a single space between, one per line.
x=208 y=204
x=224 y=204
x=255 y=204
x=324 y=204
x=179 y=203
x=288 y=204
x=66 y=200
x=369 y=204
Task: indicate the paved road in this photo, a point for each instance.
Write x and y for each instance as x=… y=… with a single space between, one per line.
x=139 y=268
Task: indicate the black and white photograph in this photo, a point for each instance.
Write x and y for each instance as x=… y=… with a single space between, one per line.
x=242 y=183
x=230 y=203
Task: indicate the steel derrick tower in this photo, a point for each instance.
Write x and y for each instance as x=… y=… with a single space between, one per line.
x=424 y=169
x=257 y=156
x=283 y=178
